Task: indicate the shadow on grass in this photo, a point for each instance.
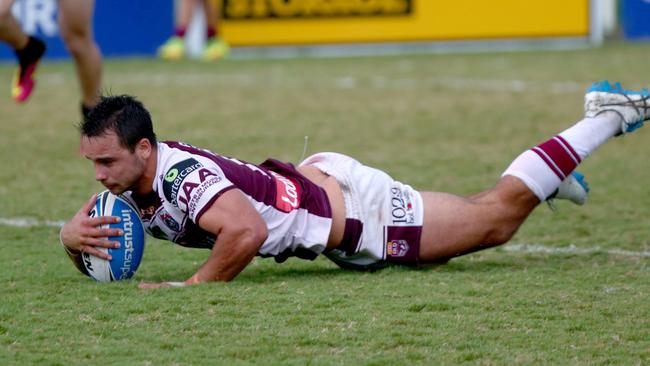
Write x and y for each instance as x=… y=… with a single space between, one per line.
x=284 y=273
x=457 y=265
x=297 y=269
x=256 y=274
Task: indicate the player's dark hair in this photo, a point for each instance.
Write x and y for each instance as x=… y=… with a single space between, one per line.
x=122 y=114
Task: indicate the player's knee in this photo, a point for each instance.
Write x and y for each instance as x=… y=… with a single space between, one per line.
x=77 y=41
x=73 y=43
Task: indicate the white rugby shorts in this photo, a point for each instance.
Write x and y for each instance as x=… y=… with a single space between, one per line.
x=383 y=216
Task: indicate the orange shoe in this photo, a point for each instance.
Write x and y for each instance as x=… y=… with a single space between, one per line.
x=23 y=81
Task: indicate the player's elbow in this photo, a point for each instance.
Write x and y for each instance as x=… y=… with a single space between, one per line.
x=259 y=233
x=252 y=236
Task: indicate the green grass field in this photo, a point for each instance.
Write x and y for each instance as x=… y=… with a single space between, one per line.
x=439 y=122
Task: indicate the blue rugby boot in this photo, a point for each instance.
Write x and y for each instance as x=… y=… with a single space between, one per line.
x=633 y=106
x=574 y=188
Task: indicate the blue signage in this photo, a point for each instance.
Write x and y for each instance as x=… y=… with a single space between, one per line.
x=636 y=19
x=122 y=27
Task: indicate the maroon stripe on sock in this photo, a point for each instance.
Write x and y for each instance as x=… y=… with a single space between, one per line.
x=569 y=147
x=180 y=32
x=548 y=162
x=211 y=32
x=559 y=155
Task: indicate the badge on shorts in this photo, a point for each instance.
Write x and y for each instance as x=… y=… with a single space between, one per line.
x=403 y=244
x=397 y=248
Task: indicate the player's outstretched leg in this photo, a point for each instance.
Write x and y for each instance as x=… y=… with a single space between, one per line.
x=454 y=226
x=23 y=82
x=610 y=110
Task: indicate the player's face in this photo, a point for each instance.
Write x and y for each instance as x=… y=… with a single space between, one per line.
x=116 y=167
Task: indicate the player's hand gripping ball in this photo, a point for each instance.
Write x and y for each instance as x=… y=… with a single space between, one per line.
x=126 y=258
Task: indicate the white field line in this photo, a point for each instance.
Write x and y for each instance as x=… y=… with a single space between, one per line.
x=277 y=78
x=29 y=222
x=25 y=222
x=572 y=250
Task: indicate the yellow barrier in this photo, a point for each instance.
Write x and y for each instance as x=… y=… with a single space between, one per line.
x=299 y=22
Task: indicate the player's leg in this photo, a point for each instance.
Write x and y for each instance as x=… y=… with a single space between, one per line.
x=174 y=47
x=215 y=47
x=29 y=51
x=75 y=21
x=454 y=226
x=210 y=18
x=10 y=31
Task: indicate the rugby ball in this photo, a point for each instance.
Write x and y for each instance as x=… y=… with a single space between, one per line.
x=126 y=258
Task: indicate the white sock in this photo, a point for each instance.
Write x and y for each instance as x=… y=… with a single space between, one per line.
x=546 y=165
x=531 y=169
x=586 y=135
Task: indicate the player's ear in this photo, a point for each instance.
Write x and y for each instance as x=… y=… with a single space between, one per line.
x=143 y=148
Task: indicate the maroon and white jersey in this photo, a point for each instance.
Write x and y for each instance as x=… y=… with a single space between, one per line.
x=189 y=180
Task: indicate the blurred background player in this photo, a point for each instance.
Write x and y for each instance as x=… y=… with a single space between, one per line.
x=215 y=47
x=75 y=23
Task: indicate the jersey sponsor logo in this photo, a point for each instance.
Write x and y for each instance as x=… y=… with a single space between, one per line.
x=283 y=9
x=401 y=209
x=171 y=175
x=185 y=192
x=397 y=248
x=287 y=197
x=174 y=178
x=194 y=192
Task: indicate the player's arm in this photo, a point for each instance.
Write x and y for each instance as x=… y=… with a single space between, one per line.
x=84 y=233
x=240 y=232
